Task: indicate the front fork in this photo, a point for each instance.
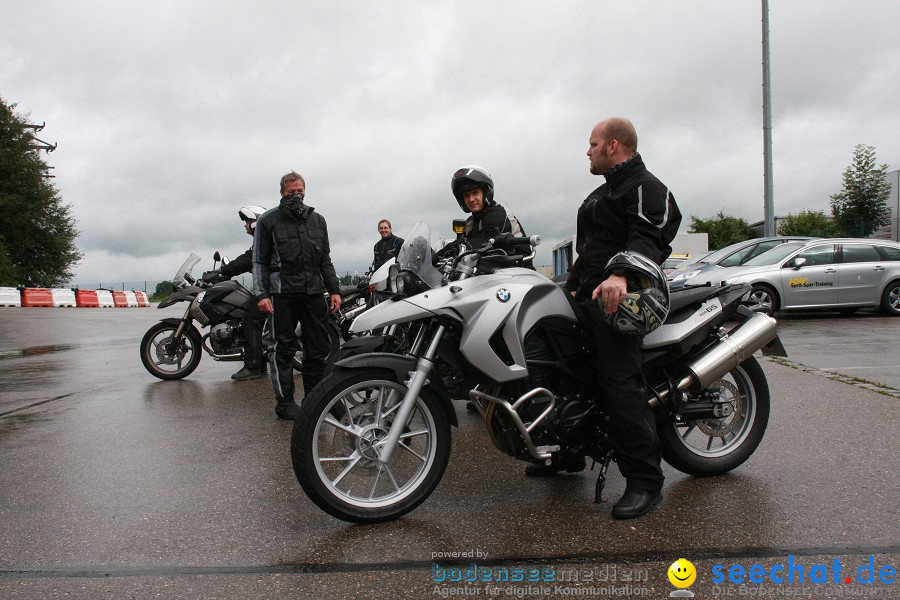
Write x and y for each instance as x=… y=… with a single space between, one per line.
x=179 y=331
x=418 y=380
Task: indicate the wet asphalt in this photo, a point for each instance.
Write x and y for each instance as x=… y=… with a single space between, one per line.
x=114 y=484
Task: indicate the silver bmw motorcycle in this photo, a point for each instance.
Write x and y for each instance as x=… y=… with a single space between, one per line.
x=373 y=440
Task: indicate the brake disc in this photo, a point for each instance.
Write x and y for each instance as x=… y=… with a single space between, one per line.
x=719 y=427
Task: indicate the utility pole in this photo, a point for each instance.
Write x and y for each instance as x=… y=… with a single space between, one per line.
x=769 y=192
x=42 y=145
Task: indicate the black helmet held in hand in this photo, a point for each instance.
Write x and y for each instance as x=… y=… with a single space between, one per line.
x=646 y=305
x=471 y=177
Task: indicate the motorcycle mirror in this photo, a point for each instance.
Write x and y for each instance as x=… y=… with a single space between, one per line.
x=216 y=256
x=225 y=260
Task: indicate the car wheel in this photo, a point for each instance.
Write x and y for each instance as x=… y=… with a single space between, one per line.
x=762 y=299
x=890 y=299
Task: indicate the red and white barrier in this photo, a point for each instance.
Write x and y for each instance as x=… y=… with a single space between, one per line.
x=105 y=299
x=131 y=299
x=37 y=297
x=119 y=299
x=142 y=299
x=10 y=296
x=86 y=299
x=62 y=297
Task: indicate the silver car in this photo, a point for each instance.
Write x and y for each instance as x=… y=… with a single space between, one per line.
x=846 y=274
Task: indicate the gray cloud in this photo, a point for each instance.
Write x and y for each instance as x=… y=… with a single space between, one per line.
x=171 y=116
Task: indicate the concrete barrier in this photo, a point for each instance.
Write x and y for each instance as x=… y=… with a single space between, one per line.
x=10 y=296
x=63 y=297
x=87 y=299
x=37 y=297
x=105 y=299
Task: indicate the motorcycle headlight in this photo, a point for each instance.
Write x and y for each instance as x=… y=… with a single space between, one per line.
x=409 y=284
x=393 y=272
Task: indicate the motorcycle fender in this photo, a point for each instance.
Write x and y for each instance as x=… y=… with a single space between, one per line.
x=176 y=322
x=401 y=366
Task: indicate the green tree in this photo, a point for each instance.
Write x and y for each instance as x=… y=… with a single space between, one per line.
x=37 y=230
x=813 y=223
x=861 y=207
x=163 y=289
x=722 y=230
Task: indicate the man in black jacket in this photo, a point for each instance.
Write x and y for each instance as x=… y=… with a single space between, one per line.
x=633 y=211
x=252 y=323
x=292 y=270
x=473 y=188
x=387 y=247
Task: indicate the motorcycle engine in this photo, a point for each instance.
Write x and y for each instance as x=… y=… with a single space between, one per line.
x=223 y=332
x=570 y=424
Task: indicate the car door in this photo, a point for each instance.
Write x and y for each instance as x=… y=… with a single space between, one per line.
x=815 y=282
x=860 y=274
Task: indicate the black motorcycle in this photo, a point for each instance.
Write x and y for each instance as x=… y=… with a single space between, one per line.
x=171 y=348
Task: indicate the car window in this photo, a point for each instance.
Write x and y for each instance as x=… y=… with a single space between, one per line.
x=890 y=252
x=736 y=258
x=763 y=247
x=773 y=255
x=818 y=255
x=857 y=253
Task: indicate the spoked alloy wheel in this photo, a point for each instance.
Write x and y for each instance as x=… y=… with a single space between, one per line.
x=168 y=357
x=716 y=446
x=762 y=299
x=336 y=447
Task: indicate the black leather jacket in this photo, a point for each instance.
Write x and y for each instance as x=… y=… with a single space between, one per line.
x=292 y=255
x=633 y=210
x=386 y=249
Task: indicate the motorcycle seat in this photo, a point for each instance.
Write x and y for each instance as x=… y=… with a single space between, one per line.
x=686 y=297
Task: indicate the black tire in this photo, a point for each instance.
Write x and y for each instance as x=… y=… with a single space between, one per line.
x=890 y=299
x=334 y=340
x=340 y=423
x=167 y=358
x=762 y=299
x=692 y=449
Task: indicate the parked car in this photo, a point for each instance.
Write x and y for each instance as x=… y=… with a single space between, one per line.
x=846 y=274
x=729 y=256
x=674 y=261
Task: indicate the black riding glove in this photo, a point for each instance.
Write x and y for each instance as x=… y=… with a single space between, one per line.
x=211 y=276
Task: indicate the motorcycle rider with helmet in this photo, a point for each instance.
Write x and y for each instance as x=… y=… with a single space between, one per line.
x=624 y=231
x=473 y=188
x=252 y=323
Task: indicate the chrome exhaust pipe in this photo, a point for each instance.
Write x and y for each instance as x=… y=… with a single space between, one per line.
x=733 y=348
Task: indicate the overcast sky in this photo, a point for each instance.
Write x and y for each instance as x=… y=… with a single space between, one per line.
x=171 y=115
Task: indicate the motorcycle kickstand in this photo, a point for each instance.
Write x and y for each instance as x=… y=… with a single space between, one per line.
x=601 y=477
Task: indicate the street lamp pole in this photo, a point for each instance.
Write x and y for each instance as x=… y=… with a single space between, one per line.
x=769 y=193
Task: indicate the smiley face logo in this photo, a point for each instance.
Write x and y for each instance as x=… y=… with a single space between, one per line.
x=682 y=573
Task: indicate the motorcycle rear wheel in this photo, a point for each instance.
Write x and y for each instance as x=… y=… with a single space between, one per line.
x=168 y=358
x=708 y=447
x=334 y=447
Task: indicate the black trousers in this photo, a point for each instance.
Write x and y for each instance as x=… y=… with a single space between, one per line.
x=251 y=328
x=311 y=313
x=632 y=426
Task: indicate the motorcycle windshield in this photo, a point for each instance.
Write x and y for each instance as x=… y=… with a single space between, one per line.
x=415 y=255
x=185 y=269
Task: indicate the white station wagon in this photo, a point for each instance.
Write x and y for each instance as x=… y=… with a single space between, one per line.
x=843 y=274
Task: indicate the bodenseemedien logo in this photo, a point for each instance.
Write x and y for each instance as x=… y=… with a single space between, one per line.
x=682 y=574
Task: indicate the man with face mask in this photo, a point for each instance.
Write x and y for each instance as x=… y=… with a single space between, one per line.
x=292 y=271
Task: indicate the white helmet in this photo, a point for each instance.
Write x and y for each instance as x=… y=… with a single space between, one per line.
x=250 y=214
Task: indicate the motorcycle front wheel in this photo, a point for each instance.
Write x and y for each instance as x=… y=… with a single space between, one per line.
x=707 y=447
x=168 y=357
x=335 y=446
